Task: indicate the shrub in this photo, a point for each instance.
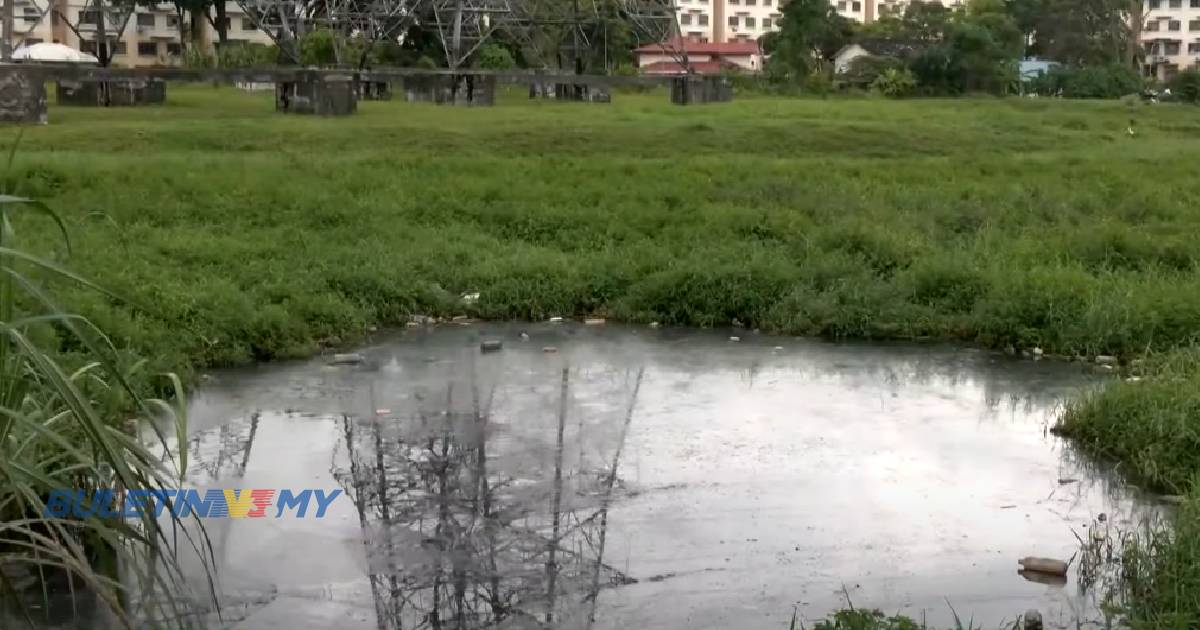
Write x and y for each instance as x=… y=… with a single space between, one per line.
x=1110 y=81
x=895 y=83
x=496 y=57
x=1185 y=86
x=863 y=71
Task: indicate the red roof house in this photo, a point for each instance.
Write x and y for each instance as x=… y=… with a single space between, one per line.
x=703 y=57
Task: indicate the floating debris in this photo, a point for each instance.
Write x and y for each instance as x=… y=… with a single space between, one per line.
x=1106 y=359
x=777 y=349
x=594 y=321
x=1174 y=499
x=1065 y=481
x=1038 y=352
x=470 y=297
x=352 y=358
x=735 y=338
x=556 y=320
x=1049 y=566
x=549 y=349
x=524 y=336
x=1031 y=620
x=382 y=412
x=490 y=345
x=654 y=324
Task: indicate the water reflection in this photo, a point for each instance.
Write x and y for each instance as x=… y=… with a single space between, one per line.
x=517 y=489
x=455 y=541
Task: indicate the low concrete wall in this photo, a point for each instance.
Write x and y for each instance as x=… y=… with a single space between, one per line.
x=369 y=90
x=697 y=90
x=322 y=95
x=113 y=93
x=466 y=90
x=579 y=92
x=22 y=97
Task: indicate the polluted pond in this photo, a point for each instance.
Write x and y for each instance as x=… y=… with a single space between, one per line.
x=585 y=476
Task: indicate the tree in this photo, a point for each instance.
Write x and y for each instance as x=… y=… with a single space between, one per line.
x=811 y=32
x=1082 y=32
x=109 y=17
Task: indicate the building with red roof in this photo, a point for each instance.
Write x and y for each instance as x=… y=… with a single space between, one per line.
x=702 y=57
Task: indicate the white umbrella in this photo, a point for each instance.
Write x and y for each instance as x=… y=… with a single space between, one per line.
x=54 y=53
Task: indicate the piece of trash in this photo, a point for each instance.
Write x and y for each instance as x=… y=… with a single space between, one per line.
x=1067 y=480
x=1031 y=620
x=594 y=321
x=524 y=336
x=556 y=320
x=1007 y=507
x=459 y=318
x=777 y=349
x=490 y=345
x=412 y=324
x=382 y=412
x=549 y=349
x=470 y=298
x=1043 y=565
x=1037 y=352
x=735 y=338
x=1174 y=499
x=654 y=324
x=1106 y=359
x=352 y=358
x=1103 y=517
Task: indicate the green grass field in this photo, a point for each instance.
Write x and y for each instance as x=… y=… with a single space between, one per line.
x=238 y=234
x=248 y=234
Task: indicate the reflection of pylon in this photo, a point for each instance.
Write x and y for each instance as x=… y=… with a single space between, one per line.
x=453 y=542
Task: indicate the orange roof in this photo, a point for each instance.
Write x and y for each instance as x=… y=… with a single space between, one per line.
x=703 y=48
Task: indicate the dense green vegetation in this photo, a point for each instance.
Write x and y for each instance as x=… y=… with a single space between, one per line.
x=248 y=235
x=1152 y=426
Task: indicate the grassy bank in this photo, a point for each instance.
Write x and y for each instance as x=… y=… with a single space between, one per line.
x=252 y=235
x=1152 y=427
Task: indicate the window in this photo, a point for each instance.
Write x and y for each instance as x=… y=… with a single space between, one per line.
x=29 y=41
x=841 y=6
x=733 y=21
x=1195 y=4
x=145 y=19
x=174 y=49
x=31 y=15
x=1173 y=25
x=173 y=21
x=856 y=6
x=119 y=48
x=87 y=47
x=1152 y=26
x=1194 y=25
x=1171 y=48
x=248 y=24
x=228 y=24
x=89 y=17
x=766 y=23
x=685 y=19
x=767 y=3
x=1153 y=4
x=147 y=49
x=1149 y=46
x=751 y=3
x=1176 y=4
x=703 y=19
x=1193 y=48
x=749 y=22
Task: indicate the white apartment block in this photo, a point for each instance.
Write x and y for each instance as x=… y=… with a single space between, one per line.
x=1171 y=36
x=150 y=37
x=721 y=21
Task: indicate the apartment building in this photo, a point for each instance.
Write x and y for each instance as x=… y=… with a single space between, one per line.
x=721 y=21
x=1170 y=36
x=150 y=37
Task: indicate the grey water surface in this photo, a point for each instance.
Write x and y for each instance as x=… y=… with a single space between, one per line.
x=753 y=479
